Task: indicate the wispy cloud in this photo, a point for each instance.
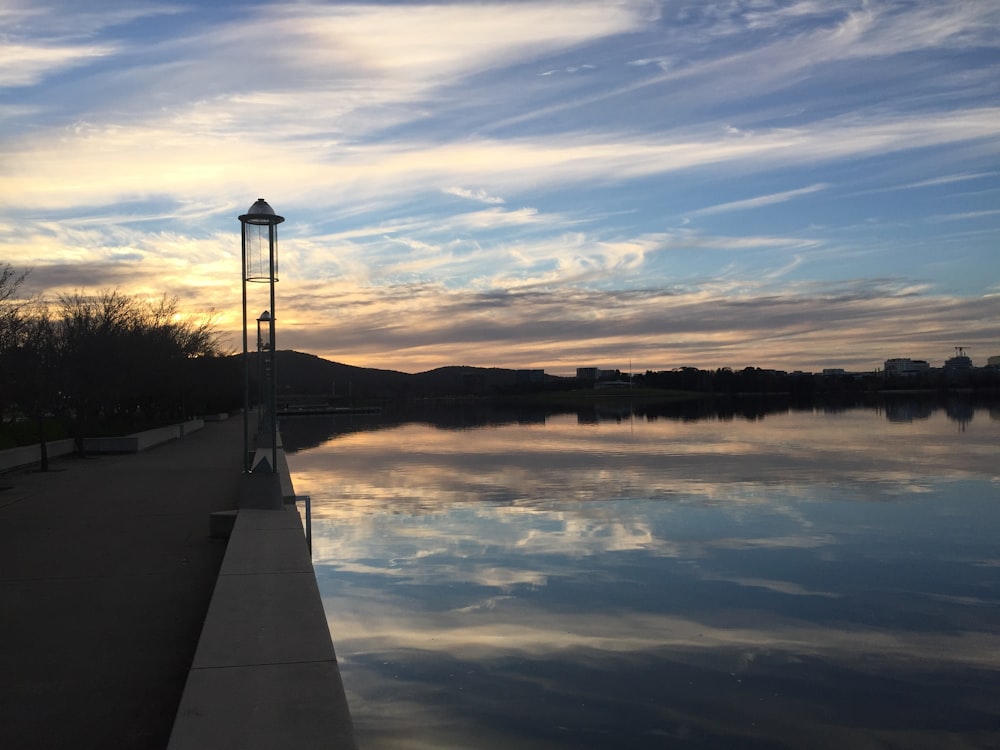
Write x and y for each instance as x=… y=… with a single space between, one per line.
x=25 y=65
x=476 y=195
x=947 y=180
x=761 y=200
x=53 y=170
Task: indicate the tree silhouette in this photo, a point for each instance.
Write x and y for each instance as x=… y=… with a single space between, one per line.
x=127 y=358
x=106 y=362
x=11 y=331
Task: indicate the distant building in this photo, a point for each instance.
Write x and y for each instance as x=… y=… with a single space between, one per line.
x=834 y=371
x=959 y=361
x=993 y=361
x=904 y=366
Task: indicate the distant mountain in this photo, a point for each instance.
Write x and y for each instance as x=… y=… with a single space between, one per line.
x=302 y=373
x=306 y=374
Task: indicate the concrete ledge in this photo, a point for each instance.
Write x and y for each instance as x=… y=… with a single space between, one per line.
x=149 y=438
x=26 y=455
x=260 y=490
x=221 y=417
x=265 y=674
x=289 y=622
x=121 y=444
x=261 y=461
x=191 y=426
x=265 y=542
x=285 y=476
x=264 y=706
x=134 y=443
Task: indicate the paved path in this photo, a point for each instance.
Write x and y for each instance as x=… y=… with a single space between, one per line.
x=106 y=572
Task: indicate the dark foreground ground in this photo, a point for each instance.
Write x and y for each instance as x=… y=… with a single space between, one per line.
x=106 y=572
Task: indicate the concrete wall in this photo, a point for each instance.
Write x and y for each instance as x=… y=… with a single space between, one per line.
x=265 y=674
x=137 y=441
x=192 y=425
x=26 y=455
x=140 y=441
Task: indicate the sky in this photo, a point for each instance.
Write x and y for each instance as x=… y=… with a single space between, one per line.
x=643 y=184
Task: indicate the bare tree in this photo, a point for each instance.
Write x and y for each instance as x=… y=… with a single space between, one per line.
x=36 y=363
x=11 y=330
x=127 y=358
x=105 y=361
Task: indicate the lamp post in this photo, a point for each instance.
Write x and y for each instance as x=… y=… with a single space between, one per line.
x=263 y=370
x=259 y=246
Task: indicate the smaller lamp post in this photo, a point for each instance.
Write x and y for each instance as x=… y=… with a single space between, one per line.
x=263 y=369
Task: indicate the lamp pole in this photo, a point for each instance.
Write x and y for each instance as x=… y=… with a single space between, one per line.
x=259 y=249
x=263 y=391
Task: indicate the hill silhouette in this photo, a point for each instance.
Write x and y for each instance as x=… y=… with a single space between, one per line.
x=307 y=377
x=305 y=374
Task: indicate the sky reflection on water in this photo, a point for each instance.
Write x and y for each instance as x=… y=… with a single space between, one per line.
x=805 y=580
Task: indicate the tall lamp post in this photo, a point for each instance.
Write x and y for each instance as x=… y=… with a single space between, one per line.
x=259 y=229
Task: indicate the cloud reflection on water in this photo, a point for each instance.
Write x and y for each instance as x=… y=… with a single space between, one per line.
x=642 y=584
x=854 y=457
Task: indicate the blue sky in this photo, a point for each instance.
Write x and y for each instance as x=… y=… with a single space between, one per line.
x=795 y=184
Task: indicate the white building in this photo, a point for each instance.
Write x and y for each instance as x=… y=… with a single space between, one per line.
x=905 y=366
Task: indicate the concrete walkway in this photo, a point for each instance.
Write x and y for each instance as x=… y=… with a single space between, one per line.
x=106 y=573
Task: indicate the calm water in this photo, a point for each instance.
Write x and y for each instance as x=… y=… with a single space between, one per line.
x=796 y=580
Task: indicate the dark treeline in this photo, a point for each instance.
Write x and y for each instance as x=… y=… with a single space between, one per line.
x=83 y=365
x=755 y=380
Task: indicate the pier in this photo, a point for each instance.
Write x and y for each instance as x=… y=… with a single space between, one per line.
x=127 y=624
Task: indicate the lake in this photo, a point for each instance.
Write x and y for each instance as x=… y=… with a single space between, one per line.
x=661 y=577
